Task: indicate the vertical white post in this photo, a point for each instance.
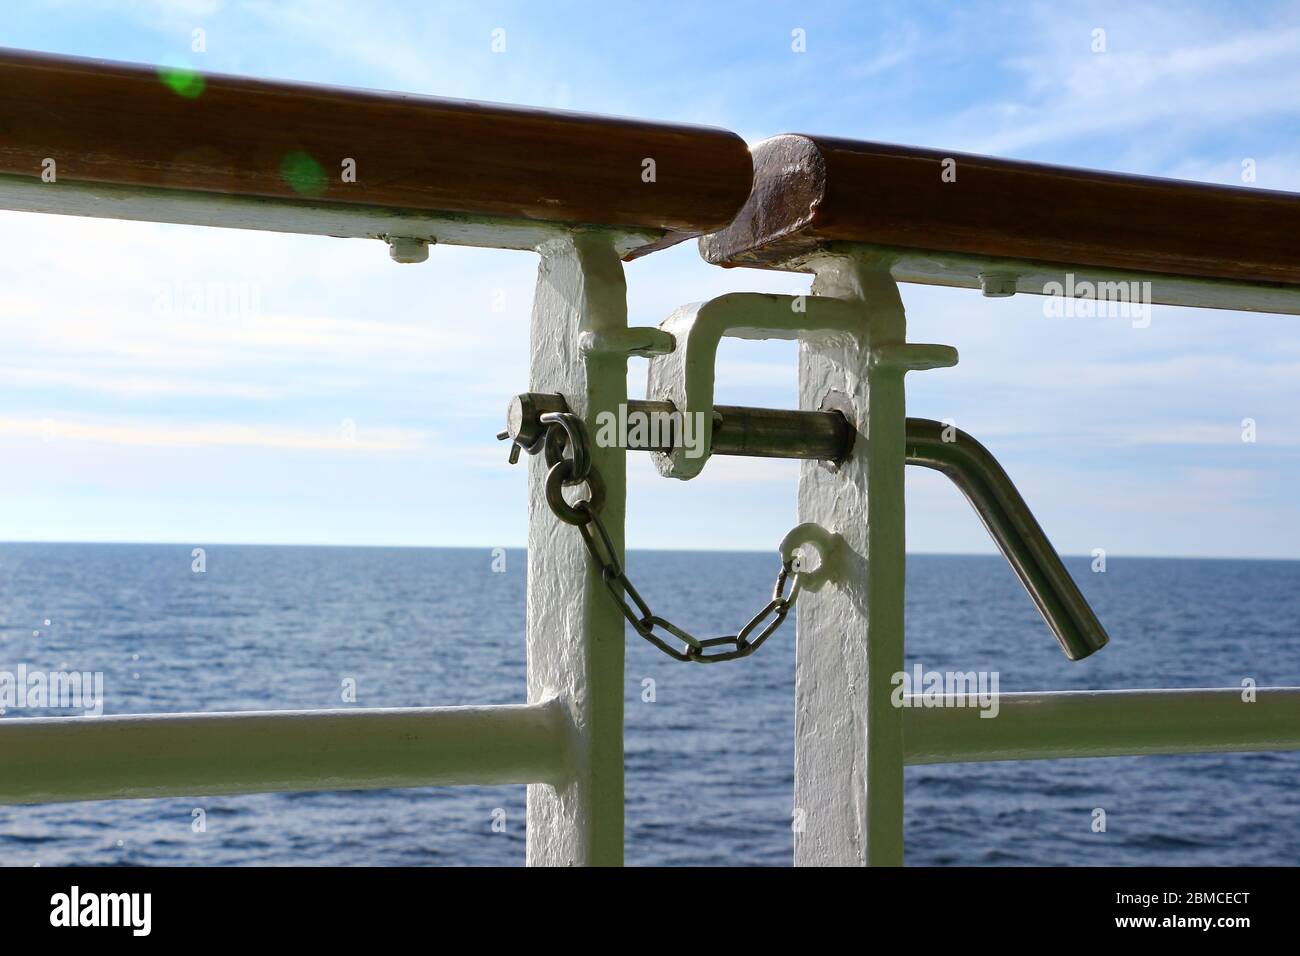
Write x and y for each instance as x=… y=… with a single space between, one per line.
x=848 y=782
x=575 y=631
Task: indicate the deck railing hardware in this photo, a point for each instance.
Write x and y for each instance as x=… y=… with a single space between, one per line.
x=564 y=432
x=531 y=424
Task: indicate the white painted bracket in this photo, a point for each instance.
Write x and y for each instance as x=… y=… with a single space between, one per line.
x=848 y=738
x=685 y=375
x=849 y=749
x=575 y=632
x=825 y=543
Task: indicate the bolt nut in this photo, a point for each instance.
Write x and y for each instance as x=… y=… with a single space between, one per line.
x=406 y=249
x=997 y=285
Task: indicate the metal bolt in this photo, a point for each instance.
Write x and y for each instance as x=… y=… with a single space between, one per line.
x=997 y=285
x=407 y=249
x=523 y=418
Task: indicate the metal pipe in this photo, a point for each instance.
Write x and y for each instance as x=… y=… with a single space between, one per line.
x=737 y=430
x=54 y=759
x=777 y=433
x=1104 y=723
x=1013 y=528
x=827 y=435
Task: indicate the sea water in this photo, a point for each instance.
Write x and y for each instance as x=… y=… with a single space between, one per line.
x=709 y=749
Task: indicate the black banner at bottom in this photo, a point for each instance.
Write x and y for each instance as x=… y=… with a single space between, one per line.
x=447 y=907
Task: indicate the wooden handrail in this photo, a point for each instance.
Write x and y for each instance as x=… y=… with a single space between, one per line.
x=811 y=191
x=149 y=128
x=140 y=142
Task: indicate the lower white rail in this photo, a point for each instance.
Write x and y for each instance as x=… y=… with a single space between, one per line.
x=1103 y=723
x=54 y=759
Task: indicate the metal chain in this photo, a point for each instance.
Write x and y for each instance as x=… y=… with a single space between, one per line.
x=565 y=431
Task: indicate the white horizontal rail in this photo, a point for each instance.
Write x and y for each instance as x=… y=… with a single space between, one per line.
x=960 y=271
x=1103 y=723
x=56 y=759
x=303 y=217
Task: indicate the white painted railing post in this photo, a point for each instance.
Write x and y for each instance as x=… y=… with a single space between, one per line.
x=575 y=632
x=848 y=784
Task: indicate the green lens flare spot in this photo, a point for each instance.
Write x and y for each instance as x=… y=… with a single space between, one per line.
x=182 y=81
x=302 y=174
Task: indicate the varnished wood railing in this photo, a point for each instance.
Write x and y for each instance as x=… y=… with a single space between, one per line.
x=172 y=135
x=949 y=219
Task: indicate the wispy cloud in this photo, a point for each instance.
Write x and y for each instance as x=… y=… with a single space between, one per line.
x=1154 y=72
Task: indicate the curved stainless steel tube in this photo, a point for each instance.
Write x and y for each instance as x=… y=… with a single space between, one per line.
x=1014 y=529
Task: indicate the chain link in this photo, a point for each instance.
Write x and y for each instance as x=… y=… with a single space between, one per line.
x=565 y=432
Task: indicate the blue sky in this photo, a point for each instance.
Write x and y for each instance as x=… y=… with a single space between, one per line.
x=122 y=422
